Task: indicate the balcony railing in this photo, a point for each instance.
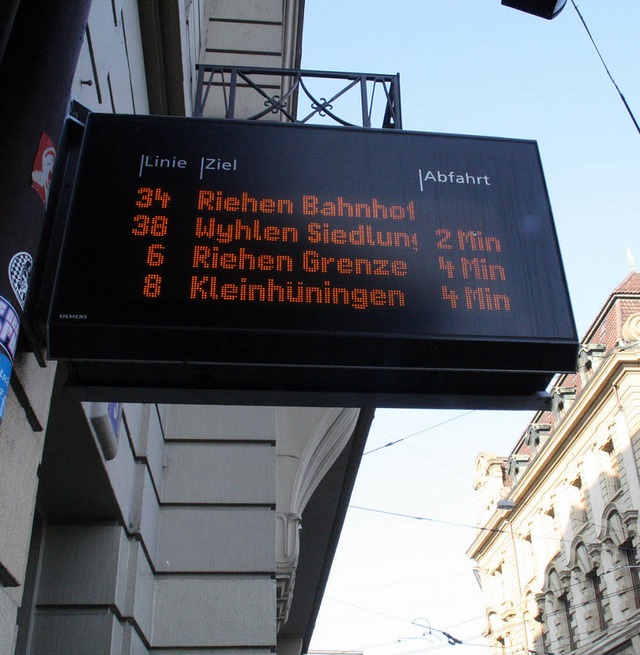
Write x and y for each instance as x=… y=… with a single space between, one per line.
x=299 y=96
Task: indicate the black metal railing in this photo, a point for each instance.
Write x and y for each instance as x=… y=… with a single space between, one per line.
x=299 y=96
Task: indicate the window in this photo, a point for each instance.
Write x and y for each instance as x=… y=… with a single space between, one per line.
x=498 y=585
x=549 y=530
x=596 y=589
x=568 y=617
x=525 y=556
x=612 y=473
x=579 y=509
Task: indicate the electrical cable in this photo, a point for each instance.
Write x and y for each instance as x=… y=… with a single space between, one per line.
x=548 y=615
x=464 y=525
x=579 y=635
x=497 y=530
x=425 y=518
x=442 y=465
x=589 y=601
x=624 y=101
x=465 y=640
x=415 y=434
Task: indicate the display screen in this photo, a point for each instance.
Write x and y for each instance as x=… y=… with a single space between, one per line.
x=217 y=241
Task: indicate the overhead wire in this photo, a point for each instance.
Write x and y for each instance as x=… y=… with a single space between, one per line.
x=475 y=527
x=432 y=427
x=578 y=634
x=495 y=530
x=419 y=432
x=415 y=434
x=466 y=640
x=624 y=100
x=451 y=523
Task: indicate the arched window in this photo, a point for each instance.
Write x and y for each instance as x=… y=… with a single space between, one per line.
x=595 y=610
x=560 y=622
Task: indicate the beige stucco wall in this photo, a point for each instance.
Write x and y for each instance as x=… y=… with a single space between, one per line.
x=576 y=504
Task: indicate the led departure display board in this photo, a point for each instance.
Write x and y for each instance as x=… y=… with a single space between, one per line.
x=246 y=244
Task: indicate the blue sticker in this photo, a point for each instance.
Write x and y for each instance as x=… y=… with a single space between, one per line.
x=115 y=412
x=5 y=375
x=9 y=328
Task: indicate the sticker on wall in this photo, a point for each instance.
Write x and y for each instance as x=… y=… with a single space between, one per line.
x=5 y=376
x=43 y=167
x=20 y=268
x=115 y=414
x=9 y=328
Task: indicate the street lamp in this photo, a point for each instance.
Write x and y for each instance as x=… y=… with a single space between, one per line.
x=544 y=8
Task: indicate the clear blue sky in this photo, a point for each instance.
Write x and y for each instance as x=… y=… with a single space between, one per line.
x=475 y=67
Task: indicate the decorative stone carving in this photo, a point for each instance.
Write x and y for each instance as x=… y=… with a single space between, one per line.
x=561 y=400
x=288 y=543
x=589 y=358
x=489 y=482
x=536 y=435
x=516 y=465
x=631 y=329
x=309 y=440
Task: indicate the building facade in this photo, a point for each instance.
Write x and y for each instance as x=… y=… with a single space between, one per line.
x=557 y=541
x=147 y=528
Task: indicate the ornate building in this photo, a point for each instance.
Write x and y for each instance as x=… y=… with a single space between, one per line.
x=557 y=541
